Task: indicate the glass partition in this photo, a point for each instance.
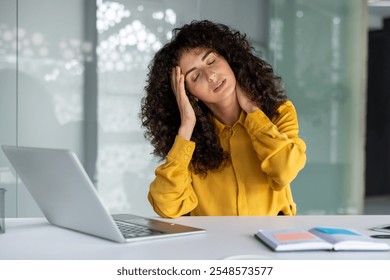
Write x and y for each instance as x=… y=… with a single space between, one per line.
x=72 y=75
x=318 y=47
x=8 y=98
x=129 y=33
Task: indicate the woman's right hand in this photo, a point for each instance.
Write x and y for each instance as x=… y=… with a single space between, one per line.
x=187 y=113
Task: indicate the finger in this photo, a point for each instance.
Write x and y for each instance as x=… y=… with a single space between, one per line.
x=173 y=80
x=181 y=85
x=180 y=88
x=178 y=78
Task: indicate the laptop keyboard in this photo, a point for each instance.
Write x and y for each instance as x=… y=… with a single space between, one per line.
x=131 y=230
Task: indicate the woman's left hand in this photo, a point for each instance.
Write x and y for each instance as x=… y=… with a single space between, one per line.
x=245 y=103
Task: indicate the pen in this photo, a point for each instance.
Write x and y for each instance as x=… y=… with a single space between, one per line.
x=382 y=236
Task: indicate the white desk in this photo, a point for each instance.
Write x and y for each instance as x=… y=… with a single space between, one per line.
x=226 y=237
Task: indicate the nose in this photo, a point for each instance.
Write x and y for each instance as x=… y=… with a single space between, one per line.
x=211 y=76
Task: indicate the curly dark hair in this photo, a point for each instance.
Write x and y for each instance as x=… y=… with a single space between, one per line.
x=159 y=110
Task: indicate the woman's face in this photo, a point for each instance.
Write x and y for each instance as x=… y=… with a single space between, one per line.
x=207 y=75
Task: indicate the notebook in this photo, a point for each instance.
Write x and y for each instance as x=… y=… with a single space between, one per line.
x=319 y=238
x=67 y=197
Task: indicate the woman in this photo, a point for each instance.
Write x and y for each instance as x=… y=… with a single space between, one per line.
x=219 y=117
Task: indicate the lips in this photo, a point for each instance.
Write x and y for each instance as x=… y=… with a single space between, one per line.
x=219 y=86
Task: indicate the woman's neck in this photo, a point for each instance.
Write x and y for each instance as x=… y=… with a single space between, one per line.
x=227 y=113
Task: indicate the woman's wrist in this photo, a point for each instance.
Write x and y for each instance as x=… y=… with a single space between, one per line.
x=185 y=131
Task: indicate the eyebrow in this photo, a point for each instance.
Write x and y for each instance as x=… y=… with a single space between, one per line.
x=193 y=68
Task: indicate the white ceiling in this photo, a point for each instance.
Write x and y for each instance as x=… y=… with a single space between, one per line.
x=377 y=11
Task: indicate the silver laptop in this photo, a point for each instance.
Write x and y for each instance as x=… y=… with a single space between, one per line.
x=66 y=196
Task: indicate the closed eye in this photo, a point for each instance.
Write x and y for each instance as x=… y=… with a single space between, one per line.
x=211 y=62
x=196 y=78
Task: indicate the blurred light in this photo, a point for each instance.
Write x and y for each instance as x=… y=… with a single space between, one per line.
x=37 y=39
x=378 y=3
x=170 y=16
x=158 y=15
x=109 y=14
x=7 y=35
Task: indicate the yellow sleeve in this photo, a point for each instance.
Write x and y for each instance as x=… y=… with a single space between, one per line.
x=277 y=144
x=171 y=193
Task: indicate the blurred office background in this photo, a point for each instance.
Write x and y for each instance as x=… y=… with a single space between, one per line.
x=72 y=75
